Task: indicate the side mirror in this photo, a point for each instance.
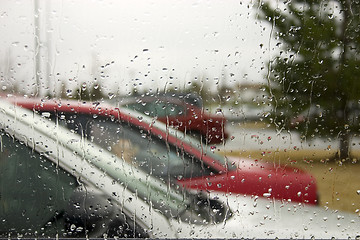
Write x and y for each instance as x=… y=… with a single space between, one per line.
x=204 y=210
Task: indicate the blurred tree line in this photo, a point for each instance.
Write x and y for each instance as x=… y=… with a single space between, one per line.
x=314 y=79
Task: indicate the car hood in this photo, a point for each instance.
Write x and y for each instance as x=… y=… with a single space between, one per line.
x=262 y=179
x=254 y=217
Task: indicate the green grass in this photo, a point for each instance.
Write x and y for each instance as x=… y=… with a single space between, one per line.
x=338 y=181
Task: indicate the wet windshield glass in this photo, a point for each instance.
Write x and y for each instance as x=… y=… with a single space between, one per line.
x=254 y=100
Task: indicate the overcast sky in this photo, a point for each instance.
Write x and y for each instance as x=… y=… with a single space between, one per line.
x=157 y=42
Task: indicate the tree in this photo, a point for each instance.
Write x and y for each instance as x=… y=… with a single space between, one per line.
x=89 y=94
x=317 y=69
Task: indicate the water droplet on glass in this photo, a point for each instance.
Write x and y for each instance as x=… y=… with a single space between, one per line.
x=267 y=194
x=111 y=95
x=72 y=227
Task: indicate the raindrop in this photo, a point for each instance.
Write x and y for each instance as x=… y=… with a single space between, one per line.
x=358 y=192
x=111 y=95
x=45 y=114
x=68 y=92
x=219 y=111
x=72 y=227
x=267 y=194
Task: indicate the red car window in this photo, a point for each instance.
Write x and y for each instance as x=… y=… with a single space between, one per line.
x=137 y=146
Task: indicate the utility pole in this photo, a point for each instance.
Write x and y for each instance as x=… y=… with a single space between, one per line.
x=37 y=46
x=49 y=62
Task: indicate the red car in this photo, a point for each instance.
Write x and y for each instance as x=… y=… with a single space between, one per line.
x=180 y=114
x=169 y=155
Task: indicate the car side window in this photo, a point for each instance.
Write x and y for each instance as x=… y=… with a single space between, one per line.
x=158 y=108
x=33 y=191
x=136 y=146
x=139 y=107
x=163 y=109
x=143 y=150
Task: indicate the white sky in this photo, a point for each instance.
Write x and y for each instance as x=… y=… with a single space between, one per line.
x=185 y=37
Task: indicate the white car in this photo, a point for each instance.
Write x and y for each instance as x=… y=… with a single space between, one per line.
x=53 y=183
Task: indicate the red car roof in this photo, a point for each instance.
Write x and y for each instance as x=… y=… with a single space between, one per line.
x=103 y=109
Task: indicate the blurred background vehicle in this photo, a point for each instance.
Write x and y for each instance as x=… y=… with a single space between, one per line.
x=183 y=112
x=173 y=156
x=56 y=184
